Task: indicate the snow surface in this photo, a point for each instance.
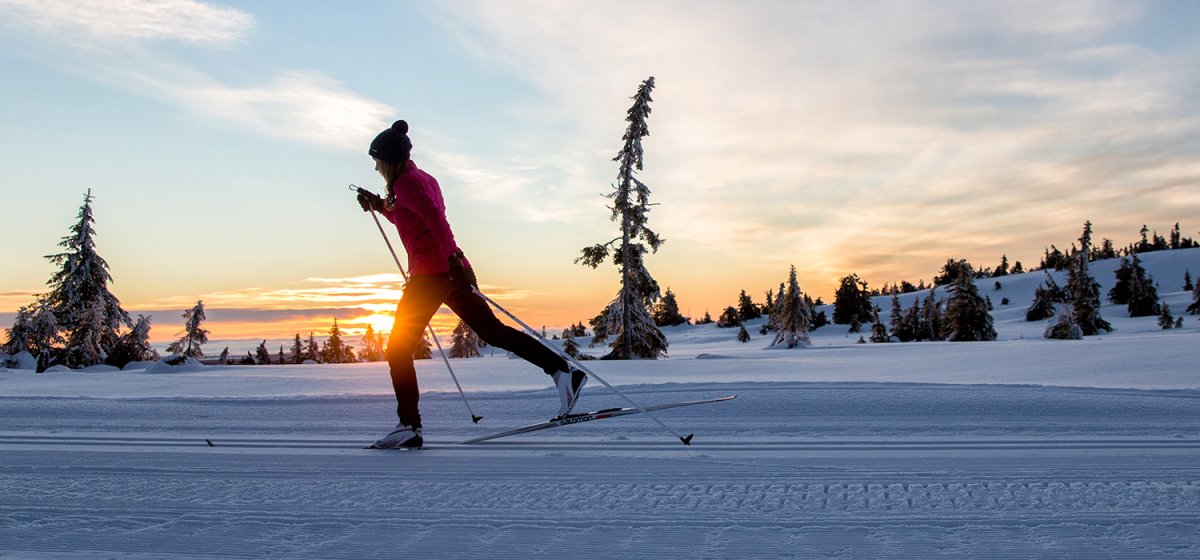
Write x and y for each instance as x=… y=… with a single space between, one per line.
x=1020 y=448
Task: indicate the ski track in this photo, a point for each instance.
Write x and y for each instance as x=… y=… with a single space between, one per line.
x=848 y=471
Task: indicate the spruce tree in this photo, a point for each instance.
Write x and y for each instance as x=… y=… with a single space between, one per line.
x=1194 y=308
x=879 y=333
x=1187 y=281
x=297 y=350
x=1122 y=288
x=35 y=330
x=335 y=350
x=312 y=351
x=746 y=307
x=967 y=318
x=1165 y=319
x=852 y=302
x=729 y=318
x=1084 y=291
x=424 y=350
x=666 y=311
x=794 y=316
x=88 y=314
x=133 y=346
x=1064 y=328
x=262 y=356
x=743 y=335
x=1143 y=296
x=627 y=317
x=464 y=343
x=193 y=334
x=224 y=357
x=372 y=346
x=900 y=328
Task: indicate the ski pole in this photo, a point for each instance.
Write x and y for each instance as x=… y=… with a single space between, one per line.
x=432 y=334
x=686 y=440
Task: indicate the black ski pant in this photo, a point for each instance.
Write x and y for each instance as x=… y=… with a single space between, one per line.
x=423 y=295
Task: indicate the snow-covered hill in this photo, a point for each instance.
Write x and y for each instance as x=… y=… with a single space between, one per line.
x=1019 y=448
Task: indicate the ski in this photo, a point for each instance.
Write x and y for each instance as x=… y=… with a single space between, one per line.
x=596 y=415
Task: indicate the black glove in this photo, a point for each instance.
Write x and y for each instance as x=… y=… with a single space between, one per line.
x=369 y=201
x=461 y=277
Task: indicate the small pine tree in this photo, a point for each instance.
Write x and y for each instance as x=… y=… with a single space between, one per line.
x=792 y=317
x=900 y=327
x=1143 y=296
x=932 y=318
x=335 y=350
x=666 y=311
x=879 y=333
x=570 y=347
x=1064 y=329
x=1194 y=308
x=967 y=317
x=1084 y=291
x=1165 y=319
x=424 y=350
x=1122 y=289
x=852 y=302
x=464 y=343
x=297 y=350
x=281 y=358
x=224 y=357
x=1187 y=281
x=372 y=346
x=193 y=334
x=133 y=346
x=311 y=350
x=743 y=336
x=746 y=307
x=262 y=356
x=729 y=318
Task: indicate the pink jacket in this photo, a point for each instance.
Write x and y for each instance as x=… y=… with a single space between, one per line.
x=420 y=216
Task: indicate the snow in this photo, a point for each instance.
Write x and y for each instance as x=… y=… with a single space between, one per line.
x=1019 y=448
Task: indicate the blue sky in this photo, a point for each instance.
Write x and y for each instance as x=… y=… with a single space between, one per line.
x=879 y=138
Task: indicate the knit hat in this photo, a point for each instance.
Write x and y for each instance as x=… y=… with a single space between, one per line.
x=392 y=145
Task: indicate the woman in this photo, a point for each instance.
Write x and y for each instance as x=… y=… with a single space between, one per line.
x=439 y=274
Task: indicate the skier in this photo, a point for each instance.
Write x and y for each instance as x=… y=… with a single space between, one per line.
x=439 y=273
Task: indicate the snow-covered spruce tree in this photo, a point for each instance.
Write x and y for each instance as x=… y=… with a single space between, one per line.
x=133 y=346
x=193 y=334
x=1122 y=288
x=743 y=335
x=262 y=356
x=852 y=302
x=297 y=350
x=569 y=346
x=88 y=314
x=224 y=357
x=666 y=311
x=1064 y=328
x=1165 y=319
x=424 y=350
x=794 y=316
x=311 y=350
x=1083 y=290
x=746 y=307
x=930 y=325
x=35 y=330
x=372 y=346
x=729 y=318
x=464 y=343
x=901 y=328
x=627 y=317
x=1194 y=308
x=1187 y=281
x=1143 y=296
x=879 y=333
x=967 y=318
x=335 y=350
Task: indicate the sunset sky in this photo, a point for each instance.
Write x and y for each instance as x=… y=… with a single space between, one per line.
x=877 y=138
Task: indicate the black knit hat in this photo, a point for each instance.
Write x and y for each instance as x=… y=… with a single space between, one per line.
x=392 y=145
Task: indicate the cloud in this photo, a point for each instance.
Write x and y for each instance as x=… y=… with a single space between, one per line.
x=113 y=43
x=815 y=130
x=114 y=21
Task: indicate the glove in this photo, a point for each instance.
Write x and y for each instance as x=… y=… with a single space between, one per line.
x=369 y=201
x=461 y=277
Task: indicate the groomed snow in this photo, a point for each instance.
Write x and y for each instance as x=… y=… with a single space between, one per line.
x=1019 y=448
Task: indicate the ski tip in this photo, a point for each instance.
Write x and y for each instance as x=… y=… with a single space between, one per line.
x=476 y=419
x=687 y=440
x=210 y=443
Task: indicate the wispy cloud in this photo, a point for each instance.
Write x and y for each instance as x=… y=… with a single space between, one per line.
x=123 y=21
x=827 y=131
x=115 y=44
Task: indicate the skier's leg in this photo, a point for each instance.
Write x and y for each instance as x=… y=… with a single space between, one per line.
x=422 y=296
x=476 y=313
